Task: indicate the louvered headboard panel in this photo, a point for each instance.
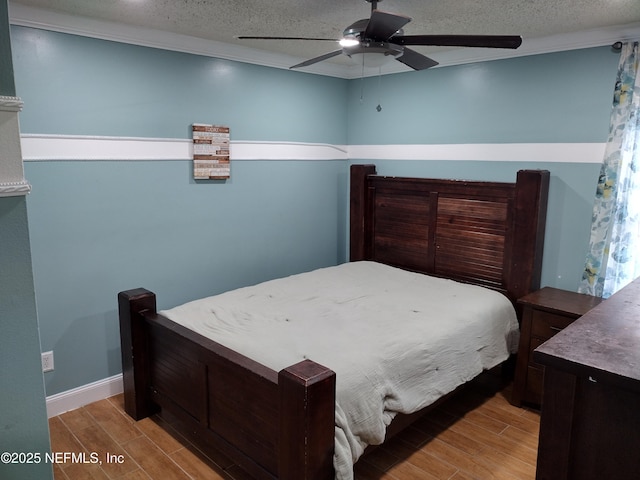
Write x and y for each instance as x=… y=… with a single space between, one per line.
x=401 y=230
x=470 y=239
x=486 y=233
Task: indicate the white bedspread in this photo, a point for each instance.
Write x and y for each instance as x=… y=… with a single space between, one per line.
x=397 y=340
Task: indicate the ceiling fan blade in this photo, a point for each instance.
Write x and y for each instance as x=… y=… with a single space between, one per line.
x=488 y=41
x=317 y=59
x=382 y=25
x=416 y=60
x=245 y=37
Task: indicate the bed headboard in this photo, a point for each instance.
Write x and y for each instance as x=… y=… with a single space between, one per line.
x=485 y=233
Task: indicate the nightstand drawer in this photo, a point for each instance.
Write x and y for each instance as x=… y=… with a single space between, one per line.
x=534 y=343
x=545 y=312
x=535 y=375
x=546 y=324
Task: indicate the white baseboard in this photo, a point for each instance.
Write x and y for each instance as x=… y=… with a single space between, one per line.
x=80 y=396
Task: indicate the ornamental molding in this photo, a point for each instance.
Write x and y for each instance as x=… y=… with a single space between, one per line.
x=10 y=104
x=12 y=182
x=14 y=189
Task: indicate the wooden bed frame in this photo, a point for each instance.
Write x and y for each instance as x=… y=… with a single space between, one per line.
x=280 y=425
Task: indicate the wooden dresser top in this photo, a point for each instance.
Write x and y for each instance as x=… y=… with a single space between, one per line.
x=603 y=345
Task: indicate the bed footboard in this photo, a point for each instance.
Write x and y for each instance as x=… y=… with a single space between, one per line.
x=134 y=350
x=307 y=422
x=275 y=425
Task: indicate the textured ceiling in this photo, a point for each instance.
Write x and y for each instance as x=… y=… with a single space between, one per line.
x=223 y=20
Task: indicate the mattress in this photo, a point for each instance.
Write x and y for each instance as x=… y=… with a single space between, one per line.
x=397 y=340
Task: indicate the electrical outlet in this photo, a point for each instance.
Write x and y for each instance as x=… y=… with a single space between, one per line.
x=47 y=361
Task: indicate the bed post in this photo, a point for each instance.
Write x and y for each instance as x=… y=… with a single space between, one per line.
x=134 y=349
x=359 y=207
x=307 y=422
x=530 y=215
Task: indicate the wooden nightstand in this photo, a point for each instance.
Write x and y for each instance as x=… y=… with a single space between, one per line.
x=544 y=313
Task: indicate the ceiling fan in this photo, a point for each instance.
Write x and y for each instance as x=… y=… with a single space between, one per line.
x=382 y=34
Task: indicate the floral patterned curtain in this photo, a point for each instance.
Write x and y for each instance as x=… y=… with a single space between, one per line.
x=613 y=259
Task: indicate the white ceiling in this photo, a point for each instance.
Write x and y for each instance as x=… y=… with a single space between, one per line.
x=211 y=26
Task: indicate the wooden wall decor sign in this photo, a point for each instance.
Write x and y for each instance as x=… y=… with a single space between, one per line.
x=211 y=160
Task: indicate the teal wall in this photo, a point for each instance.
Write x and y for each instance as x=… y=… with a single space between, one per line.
x=98 y=227
x=554 y=98
x=84 y=86
x=23 y=416
x=557 y=97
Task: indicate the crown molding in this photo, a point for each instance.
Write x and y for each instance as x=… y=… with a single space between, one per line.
x=26 y=16
x=530 y=46
x=48 y=20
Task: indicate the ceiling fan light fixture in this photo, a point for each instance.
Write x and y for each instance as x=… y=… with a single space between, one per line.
x=374 y=54
x=349 y=41
x=371 y=59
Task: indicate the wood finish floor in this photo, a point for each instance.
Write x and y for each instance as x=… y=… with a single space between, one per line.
x=475 y=435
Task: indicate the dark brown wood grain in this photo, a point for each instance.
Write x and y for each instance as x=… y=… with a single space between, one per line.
x=274 y=425
x=307 y=395
x=134 y=340
x=485 y=233
x=358 y=206
x=590 y=423
x=280 y=425
x=545 y=312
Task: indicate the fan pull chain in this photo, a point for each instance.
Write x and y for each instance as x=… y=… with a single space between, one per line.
x=362 y=82
x=379 y=107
